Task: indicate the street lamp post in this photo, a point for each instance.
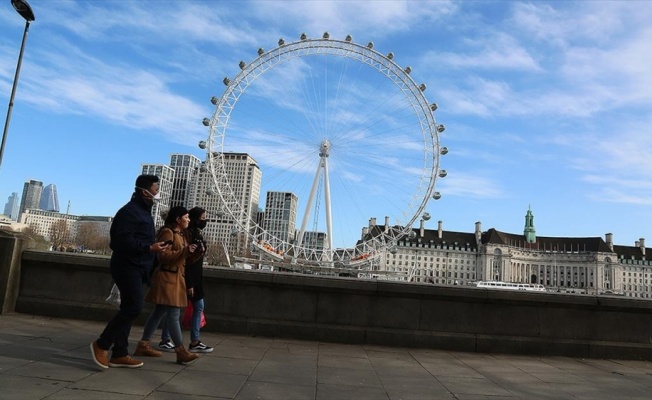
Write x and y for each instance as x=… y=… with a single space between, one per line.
x=26 y=12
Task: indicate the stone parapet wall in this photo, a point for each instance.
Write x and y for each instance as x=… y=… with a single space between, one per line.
x=357 y=311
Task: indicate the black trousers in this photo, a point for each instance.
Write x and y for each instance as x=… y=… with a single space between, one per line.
x=116 y=333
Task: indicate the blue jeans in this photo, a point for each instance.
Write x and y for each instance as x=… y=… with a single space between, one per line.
x=195 y=322
x=171 y=315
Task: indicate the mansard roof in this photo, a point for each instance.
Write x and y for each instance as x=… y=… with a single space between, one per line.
x=543 y=243
x=431 y=236
x=633 y=253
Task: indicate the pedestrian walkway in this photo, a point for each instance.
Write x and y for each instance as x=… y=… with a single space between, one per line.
x=46 y=358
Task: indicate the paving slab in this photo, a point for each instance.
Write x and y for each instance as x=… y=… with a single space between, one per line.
x=48 y=359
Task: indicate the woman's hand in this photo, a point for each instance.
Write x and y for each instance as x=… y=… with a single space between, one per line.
x=192 y=248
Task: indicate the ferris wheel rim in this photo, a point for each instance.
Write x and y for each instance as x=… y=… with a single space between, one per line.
x=265 y=61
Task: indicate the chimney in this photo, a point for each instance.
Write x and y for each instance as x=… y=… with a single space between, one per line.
x=421 y=228
x=439 y=231
x=365 y=231
x=641 y=241
x=372 y=222
x=386 y=224
x=609 y=238
x=478 y=232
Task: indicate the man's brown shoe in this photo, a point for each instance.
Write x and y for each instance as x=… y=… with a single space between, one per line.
x=144 y=349
x=100 y=356
x=125 y=362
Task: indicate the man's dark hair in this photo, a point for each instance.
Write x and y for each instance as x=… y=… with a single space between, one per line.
x=145 y=181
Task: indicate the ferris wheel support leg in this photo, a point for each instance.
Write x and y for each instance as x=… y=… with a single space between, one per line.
x=327 y=199
x=311 y=198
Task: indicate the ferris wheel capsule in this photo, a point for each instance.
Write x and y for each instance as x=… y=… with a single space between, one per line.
x=426 y=216
x=412 y=234
x=202 y=144
x=261 y=51
x=443 y=173
x=303 y=36
x=443 y=151
x=436 y=195
x=326 y=35
x=226 y=81
x=214 y=100
x=370 y=45
x=408 y=70
x=390 y=55
x=281 y=42
x=348 y=38
x=206 y=122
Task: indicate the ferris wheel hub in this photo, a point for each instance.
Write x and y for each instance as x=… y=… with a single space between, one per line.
x=324 y=148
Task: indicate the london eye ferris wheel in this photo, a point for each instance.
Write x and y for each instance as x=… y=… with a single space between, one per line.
x=343 y=128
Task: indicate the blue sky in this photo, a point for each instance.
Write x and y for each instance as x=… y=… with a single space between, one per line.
x=546 y=104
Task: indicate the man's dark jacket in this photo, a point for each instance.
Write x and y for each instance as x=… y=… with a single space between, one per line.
x=132 y=232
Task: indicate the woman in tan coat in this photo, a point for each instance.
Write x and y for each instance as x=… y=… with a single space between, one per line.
x=168 y=286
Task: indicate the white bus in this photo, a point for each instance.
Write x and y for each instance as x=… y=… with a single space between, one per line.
x=531 y=287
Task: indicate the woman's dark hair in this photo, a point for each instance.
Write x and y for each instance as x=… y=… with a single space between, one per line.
x=173 y=214
x=195 y=213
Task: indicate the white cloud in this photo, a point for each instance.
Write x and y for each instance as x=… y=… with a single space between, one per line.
x=469 y=185
x=366 y=19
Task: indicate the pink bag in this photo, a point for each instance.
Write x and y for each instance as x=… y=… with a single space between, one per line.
x=187 y=316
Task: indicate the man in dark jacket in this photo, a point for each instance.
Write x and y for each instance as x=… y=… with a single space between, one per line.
x=134 y=248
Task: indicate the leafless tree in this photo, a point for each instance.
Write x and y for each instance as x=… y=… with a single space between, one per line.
x=87 y=235
x=33 y=240
x=59 y=234
x=215 y=254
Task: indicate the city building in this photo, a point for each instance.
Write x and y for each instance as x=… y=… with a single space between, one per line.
x=166 y=176
x=31 y=196
x=244 y=179
x=41 y=222
x=12 y=206
x=584 y=265
x=186 y=168
x=49 y=198
x=280 y=216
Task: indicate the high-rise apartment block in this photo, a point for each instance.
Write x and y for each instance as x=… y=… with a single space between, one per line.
x=31 y=196
x=245 y=179
x=49 y=198
x=280 y=216
x=165 y=175
x=12 y=206
x=186 y=168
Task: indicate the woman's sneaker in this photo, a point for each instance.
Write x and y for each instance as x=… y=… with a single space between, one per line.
x=199 y=348
x=166 y=346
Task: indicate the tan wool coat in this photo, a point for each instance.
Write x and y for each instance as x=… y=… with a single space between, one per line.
x=168 y=283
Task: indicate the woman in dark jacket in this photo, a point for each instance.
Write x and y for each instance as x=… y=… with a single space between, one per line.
x=194 y=284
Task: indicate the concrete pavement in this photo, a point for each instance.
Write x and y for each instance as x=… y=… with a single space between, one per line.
x=46 y=358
